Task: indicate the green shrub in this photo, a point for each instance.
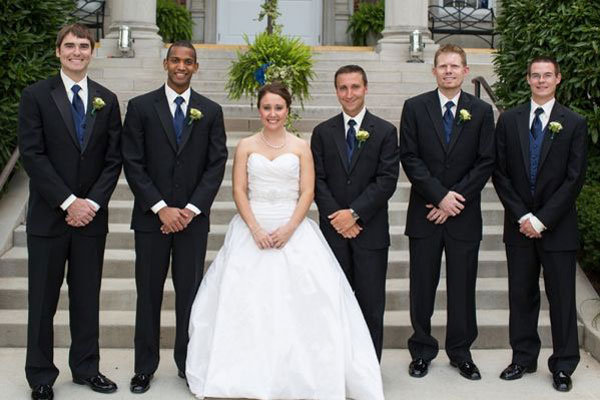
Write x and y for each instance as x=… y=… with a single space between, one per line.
x=588 y=213
x=174 y=21
x=369 y=18
x=566 y=29
x=27 y=54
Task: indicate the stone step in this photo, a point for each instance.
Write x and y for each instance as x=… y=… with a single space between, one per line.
x=119 y=294
x=117 y=329
x=119 y=263
x=222 y=212
x=120 y=236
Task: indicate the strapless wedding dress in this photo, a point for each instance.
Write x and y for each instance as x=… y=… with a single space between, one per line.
x=278 y=323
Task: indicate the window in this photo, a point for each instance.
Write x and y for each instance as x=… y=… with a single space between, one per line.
x=470 y=3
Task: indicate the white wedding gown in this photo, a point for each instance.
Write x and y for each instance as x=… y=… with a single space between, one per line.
x=278 y=324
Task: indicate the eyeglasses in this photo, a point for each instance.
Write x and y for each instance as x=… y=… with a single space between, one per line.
x=537 y=77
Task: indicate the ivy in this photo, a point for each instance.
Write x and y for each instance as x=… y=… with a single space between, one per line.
x=174 y=21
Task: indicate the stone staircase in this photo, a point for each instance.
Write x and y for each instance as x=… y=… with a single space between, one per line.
x=390 y=83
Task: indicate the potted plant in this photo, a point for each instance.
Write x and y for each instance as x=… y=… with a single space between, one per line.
x=367 y=23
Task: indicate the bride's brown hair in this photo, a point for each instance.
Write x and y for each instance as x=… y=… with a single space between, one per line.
x=277 y=88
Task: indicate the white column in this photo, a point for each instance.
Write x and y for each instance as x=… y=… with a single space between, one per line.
x=140 y=17
x=401 y=18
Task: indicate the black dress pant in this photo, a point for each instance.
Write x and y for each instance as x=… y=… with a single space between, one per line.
x=46 y=270
x=461 y=276
x=154 y=250
x=524 y=297
x=366 y=272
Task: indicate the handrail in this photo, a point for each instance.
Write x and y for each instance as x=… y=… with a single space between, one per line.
x=10 y=165
x=480 y=81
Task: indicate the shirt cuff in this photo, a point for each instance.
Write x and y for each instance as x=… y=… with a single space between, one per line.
x=95 y=205
x=192 y=207
x=65 y=204
x=525 y=217
x=158 y=206
x=537 y=224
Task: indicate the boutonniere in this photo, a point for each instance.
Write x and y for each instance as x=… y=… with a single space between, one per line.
x=195 y=115
x=97 y=104
x=464 y=115
x=554 y=127
x=361 y=137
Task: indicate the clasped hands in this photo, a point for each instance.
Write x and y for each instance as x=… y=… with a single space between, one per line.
x=450 y=206
x=527 y=229
x=174 y=219
x=344 y=224
x=80 y=213
x=276 y=239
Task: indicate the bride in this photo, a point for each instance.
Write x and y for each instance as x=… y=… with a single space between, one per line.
x=274 y=317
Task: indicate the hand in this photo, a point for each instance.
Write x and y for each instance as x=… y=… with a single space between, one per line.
x=189 y=216
x=281 y=235
x=172 y=218
x=261 y=238
x=352 y=232
x=436 y=215
x=452 y=203
x=80 y=213
x=341 y=220
x=528 y=230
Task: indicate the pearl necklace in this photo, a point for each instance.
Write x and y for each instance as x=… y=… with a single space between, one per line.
x=273 y=146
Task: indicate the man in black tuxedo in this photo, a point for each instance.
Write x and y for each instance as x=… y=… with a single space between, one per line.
x=541 y=152
x=69 y=139
x=447 y=151
x=174 y=155
x=357 y=166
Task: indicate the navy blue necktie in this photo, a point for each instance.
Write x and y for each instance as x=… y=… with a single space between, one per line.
x=78 y=113
x=350 y=139
x=178 y=119
x=448 y=121
x=536 y=126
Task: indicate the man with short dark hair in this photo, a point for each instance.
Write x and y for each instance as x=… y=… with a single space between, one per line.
x=541 y=152
x=174 y=155
x=447 y=151
x=356 y=167
x=69 y=139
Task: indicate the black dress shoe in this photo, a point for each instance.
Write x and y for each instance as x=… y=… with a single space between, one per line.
x=140 y=383
x=418 y=368
x=181 y=374
x=42 y=392
x=516 y=371
x=98 y=383
x=468 y=369
x=561 y=381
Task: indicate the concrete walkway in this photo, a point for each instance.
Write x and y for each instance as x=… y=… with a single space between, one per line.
x=443 y=381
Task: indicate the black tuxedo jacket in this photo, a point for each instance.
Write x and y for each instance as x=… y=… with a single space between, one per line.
x=434 y=167
x=365 y=184
x=561 y=173
x=56 y=164
x=158 y=169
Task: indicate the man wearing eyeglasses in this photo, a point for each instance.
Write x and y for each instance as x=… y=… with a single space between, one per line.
x=541 y=159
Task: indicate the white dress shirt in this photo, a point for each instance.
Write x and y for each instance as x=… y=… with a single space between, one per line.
x=444 y=100
x=171 y=96
x=358 y=118
x=83 y=94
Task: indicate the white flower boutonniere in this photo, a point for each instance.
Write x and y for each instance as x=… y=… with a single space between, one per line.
x=464 y=115
x=555 y=128
x=361 y=137
x=97 y=104
x=195 y=115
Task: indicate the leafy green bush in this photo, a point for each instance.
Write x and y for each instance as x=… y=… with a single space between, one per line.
x=174 y=21
x=27 y=54
x=369 y=18
x=588 y=213
x=566 y=29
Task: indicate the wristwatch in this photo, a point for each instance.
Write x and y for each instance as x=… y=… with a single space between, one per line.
x=354 y=215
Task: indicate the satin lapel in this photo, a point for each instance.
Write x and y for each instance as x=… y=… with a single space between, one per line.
x=166 y=119
x=339 y=137
x=523 y=130
x=463 y=103
x=187 y=127
x=367 y=125
x=90 y=118
x=557 y=115
x=59 y=95
x=435 y=114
